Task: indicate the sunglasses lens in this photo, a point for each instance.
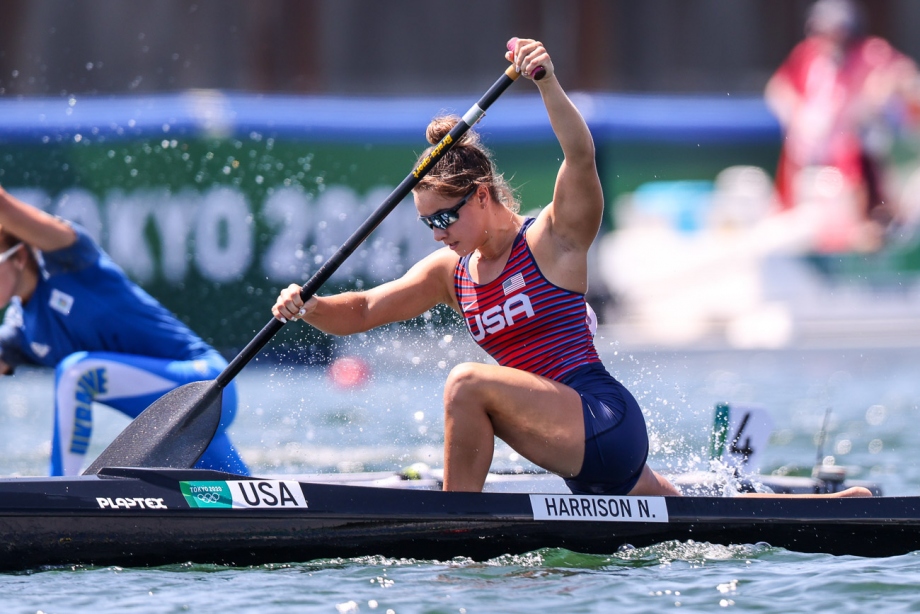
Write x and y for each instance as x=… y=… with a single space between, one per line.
x=446 y=219
x=440 y=220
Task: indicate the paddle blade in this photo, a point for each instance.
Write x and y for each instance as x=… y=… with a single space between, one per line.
x=173 y=432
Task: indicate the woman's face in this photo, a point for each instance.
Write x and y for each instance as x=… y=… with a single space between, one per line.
x=452 y=219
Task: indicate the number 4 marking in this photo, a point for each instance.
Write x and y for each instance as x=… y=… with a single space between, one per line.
x=746 y=451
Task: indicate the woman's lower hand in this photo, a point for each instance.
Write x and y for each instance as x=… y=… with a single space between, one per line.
x=289 y=305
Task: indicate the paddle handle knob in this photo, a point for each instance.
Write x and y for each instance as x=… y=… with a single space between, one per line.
x=539 y=72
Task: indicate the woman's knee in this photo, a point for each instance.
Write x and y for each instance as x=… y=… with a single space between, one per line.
x=466 y=392
x=466 y=381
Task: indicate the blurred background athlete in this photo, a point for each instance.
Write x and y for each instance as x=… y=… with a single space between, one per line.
x=832 y=95
x=69 y=306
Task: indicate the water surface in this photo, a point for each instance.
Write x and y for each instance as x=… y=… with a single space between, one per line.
x=294 y=420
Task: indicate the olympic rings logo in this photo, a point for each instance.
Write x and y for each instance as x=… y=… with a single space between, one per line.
x=208 y=497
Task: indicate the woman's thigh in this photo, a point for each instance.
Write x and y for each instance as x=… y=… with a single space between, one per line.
x=540 y=418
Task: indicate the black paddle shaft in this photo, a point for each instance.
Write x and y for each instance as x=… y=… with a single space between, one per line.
x=370 y=224
x=177 y=428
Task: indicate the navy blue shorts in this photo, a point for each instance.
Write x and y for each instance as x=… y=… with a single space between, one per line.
x=616 y=440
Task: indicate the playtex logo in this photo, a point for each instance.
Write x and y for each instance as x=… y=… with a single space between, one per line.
x=131 y=503
x=244 y=494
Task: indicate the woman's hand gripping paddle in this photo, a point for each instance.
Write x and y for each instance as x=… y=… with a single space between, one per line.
x=538 y=73
x=177 y=428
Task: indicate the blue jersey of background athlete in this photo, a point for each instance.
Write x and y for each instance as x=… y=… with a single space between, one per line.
x=84 y=302
x=109 y=342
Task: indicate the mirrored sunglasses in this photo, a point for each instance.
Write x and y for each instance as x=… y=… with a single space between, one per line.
x=445 y=217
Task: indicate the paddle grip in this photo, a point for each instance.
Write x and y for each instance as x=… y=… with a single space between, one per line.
x=539 y=72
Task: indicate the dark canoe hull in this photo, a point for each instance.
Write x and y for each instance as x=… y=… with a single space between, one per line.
x=91 y=520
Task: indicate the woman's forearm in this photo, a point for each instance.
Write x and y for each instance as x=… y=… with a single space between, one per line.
x=568 y=123
x=341 y=314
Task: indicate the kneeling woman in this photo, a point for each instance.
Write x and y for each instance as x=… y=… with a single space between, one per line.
x=519 y=284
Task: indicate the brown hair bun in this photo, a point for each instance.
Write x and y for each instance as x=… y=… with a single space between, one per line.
x=466 y=164
x=440 y=126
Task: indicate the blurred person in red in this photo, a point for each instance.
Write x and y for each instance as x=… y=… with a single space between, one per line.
x=830 y=95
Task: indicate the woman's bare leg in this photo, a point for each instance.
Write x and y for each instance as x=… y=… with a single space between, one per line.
x=652 y=483
x=540 y=419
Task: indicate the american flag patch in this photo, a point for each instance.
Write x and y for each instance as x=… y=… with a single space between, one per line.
x=513 y=283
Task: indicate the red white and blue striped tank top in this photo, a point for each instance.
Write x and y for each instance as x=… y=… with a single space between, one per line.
x=524 y=321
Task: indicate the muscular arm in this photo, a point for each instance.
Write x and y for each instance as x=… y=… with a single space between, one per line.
x=564 y=231
x=425 y=285
x=33 y=225
x=574 y=216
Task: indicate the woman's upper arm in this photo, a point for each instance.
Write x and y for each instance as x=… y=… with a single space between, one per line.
x=574 y=216
x=425 y=285
x=578 y=204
